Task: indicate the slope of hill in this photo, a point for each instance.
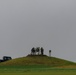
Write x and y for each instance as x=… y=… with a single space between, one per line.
x=37 y=60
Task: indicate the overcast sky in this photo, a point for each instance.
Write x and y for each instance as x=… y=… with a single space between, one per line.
x=50 y=24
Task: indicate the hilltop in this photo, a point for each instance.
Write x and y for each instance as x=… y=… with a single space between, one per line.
x=38 y=60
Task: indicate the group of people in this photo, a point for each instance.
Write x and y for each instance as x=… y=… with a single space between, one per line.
x=37 y=51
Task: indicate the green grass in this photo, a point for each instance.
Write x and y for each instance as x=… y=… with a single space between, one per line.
x=43 y=73
x=33 y=69
x=38 y=60
x=37 y=65
x=37 y=71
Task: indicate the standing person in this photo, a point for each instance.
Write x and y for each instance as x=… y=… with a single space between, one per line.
x=42 y=51
x=50 y=53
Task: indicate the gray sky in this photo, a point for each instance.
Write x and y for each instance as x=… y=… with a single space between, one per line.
x=50 y=24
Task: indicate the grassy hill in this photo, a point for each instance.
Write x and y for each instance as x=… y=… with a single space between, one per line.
x=38 y=60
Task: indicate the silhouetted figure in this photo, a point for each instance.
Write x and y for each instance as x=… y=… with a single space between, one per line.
x=38 y=50
x=42 y=51
x=49 y=52
x=33 y=52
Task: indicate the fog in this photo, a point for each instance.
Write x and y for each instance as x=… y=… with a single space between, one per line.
x=50 y=24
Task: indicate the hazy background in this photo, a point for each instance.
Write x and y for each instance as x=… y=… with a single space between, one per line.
x=50 y=24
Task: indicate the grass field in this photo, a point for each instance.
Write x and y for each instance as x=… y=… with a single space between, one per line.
x=38 y=60
x=41 y=73
x=36 y=70
x=38 y=65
